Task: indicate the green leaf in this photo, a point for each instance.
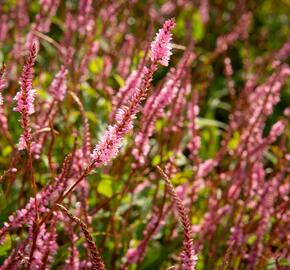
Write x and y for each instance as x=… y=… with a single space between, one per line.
x=251 y=239
x=86 y=88
x=96 y=65
x=92 y=117
x=6 y=150
x=156 y=160
x=234 y=141
x=198 y=29
x=211 y=122
x=105 y=187
x=269 y=156
x=6 y=246
x=178 y=179
x=119 y=80
x=159 y=124
x=42 y=94
x=2 y=199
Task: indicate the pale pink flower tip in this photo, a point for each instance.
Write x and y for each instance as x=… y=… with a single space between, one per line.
x=161 y=46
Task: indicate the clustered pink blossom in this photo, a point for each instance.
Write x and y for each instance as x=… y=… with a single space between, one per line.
x=265 y=210
x=150 y=115
x=124 y=64
x=204 y=11
x=72 y=262
x=229 y=73
x=192 y=114
x=50 y=192
x=25 y=98
x=71 y=27
x=106 y=70
x=85 y=20
x=92 y=51
x=239 y=31
x=205 y=168
x=211 y=220
x=46 y=247
x=3 y=25
x=175 y=115
x=161 y=46
x=42 y=21
x=132 y=82
x=237 y=190
x=58 y=86
x=284 y=51
x=261 y=105
x=20 y=14
x=134 y=255
x=22 y=216
x=110 y=143
x=16 y=257
x=3 y=120
x=27 y=103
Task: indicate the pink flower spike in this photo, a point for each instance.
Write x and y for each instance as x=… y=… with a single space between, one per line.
x=58 y=86
x=111 y=142
x=206 y=167
x=188 y=255
x=25 y=98
x=161 y=46
x=27 y=103
x=2 y=83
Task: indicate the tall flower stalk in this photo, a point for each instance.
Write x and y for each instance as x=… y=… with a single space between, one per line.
x=2 y=83
x=3 y=118
x=214 y=113
x=25 y=106
x=110 y=143
x=97 y=263
x=188 y=255
x=25 y=100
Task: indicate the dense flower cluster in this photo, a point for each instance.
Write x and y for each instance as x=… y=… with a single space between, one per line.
x=204 y=98
x=25 y=98
x=58 y=86
x=161 y=46
x=152 y=111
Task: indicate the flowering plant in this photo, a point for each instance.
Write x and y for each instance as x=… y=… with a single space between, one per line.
x=132 y=141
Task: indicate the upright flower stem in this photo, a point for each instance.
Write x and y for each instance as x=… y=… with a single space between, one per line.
x=109 y=145
x=188 y=256
x=97 y=263
x=25 y=105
